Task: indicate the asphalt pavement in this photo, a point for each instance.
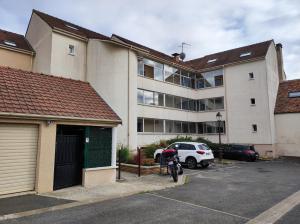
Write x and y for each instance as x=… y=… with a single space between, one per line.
x=231 y=194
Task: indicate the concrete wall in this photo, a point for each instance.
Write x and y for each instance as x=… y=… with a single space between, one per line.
x=39 y=35
x=240 y=114
x=272 y=85
x=112 y=71
x=288 y=134
x=15 y=59
x=64 y=64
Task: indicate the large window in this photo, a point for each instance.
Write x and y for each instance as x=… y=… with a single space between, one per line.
x=151 y=69
x=151 y=125
x=211 y=104
x=210 y=79
x=210 y=127
x=150 y=98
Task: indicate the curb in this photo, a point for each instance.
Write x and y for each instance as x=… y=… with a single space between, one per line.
x=181 y=181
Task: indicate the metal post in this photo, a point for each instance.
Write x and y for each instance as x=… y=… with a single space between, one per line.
x=220 y=149
x=119 y=159
x=139 y=161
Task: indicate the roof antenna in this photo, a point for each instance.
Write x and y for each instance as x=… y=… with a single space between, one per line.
x=182 y=54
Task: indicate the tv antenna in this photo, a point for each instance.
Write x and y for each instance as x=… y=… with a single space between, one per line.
x=182 y=54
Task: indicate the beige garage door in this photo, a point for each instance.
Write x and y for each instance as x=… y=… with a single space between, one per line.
x=18 y=152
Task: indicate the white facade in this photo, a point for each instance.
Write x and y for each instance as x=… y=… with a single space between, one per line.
x=112 y=70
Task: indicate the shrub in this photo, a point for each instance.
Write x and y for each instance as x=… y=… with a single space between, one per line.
x=179 y=139
x=149 y=150
x=124 y=154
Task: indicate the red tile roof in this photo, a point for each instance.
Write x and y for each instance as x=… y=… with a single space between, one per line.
x=23 y=92
x=231 y=56
x=18 y=39
x=54 y=22
x=284 y=103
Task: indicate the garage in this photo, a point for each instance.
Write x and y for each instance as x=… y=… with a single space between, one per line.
x=18 y=156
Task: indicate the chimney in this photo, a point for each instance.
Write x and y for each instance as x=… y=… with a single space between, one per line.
x=281 y=72
x=176 y=57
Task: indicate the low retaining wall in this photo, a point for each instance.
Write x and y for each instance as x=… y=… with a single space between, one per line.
x=145 y=170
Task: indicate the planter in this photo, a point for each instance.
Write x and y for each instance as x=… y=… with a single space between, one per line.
x=145 y=170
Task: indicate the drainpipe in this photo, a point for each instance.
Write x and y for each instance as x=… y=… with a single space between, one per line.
x=128 y=97
x=226 y=105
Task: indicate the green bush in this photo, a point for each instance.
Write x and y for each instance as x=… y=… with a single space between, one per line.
x=124 y=154
x=179 y=139
x=149 y=150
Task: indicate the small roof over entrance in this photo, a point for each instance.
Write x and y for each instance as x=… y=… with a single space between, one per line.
x=37 y=95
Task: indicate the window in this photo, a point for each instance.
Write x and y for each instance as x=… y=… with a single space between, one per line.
x=254 y=128
x=140 y=125
x=245 y=54
x=169 y=126
x=141 y=68
x=210 y=79
x=159 y=126
x=252 y=100
x=294 y=94
x=219 y=103
x=212 y=60
x=192 y=127
x=177 y=102
x=71 y=49
x=184 y=146
x=151 y=69
x=211 y=104
x=210 y=127
x=159 y=99
x=185 y=127
x=148 y=125
x=185 y=104
x=177 y=126
x=251 y=75
x=193 y=105
x=10 y=43
x=140 y=96
x=169 y=100
x=148 y=97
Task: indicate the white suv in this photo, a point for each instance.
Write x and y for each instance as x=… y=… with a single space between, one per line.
x=190 y=153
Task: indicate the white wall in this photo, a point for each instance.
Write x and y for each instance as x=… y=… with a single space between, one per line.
x=241 y=115
x=288 y=134
x=39 y=35
x=64 y=64
x=112 y=71
x=272 y=82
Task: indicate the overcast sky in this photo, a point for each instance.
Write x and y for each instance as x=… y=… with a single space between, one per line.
x=209 y=26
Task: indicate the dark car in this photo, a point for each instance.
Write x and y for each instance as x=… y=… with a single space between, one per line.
x=240 y=152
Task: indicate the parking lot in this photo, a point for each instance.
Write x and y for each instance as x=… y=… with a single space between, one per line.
x=233 y=193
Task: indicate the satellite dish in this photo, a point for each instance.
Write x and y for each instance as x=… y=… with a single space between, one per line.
x=182 y=56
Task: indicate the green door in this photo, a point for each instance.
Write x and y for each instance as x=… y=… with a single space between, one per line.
x=98 y=147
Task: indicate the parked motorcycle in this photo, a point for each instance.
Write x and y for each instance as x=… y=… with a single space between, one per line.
x=175 y=168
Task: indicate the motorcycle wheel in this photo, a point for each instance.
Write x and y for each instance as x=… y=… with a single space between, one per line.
x=174 y=174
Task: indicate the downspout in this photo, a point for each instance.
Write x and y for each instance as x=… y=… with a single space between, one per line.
x=226 y=105
x=128 y=97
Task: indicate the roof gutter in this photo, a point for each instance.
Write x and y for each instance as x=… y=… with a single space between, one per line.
x=51 y=117
x=32 y=53
x=69 y=34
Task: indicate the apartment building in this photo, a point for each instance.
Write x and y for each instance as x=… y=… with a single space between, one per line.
x=158 y=96
x=15 y=51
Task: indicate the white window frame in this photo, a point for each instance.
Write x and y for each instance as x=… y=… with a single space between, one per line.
x=251 y=74
x=252 y=104
x=253 y=131
x=72 y=46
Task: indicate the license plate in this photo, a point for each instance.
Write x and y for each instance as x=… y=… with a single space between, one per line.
x=170 y=163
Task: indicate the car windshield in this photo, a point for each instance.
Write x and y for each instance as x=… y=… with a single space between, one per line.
x=240 y=147
x=203 y=147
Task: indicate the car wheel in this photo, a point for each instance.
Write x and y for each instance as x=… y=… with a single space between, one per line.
x=191 y=163
x=157 y=158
